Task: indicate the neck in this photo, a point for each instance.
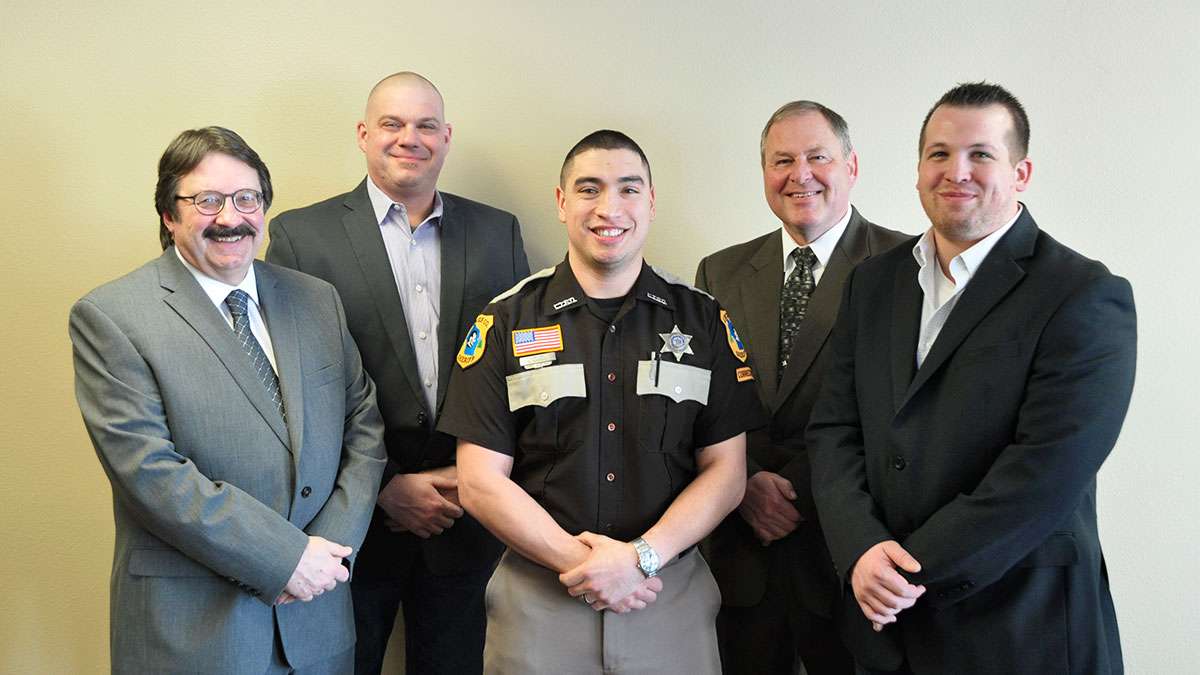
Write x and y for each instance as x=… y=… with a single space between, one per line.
x=417 y=201
x=605 y=283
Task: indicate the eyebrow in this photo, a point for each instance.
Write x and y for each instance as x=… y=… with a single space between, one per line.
x=623 y=179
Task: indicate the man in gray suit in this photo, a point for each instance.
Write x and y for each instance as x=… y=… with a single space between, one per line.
x=414 y=266
x=782 y=290
x=229 y=408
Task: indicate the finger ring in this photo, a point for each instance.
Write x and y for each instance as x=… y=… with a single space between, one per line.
x=587 y=599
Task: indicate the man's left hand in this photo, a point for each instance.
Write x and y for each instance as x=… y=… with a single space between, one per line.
x=608 y=575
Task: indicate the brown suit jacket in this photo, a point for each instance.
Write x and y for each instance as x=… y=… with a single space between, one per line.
x=746 y=279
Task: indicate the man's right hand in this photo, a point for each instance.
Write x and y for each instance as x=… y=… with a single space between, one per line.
x=320 y=569
x=881 y=591
x=414 y=502
x=767 y=506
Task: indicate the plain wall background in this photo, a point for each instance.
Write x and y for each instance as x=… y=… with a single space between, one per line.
x=92 y=93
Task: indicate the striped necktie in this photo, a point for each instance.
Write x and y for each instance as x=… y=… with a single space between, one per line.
x=238 y=302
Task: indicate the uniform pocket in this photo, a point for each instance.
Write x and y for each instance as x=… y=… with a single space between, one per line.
x=546 y=385
x=670 y=400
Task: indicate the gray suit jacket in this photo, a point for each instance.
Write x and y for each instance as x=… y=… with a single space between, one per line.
x=338 y=240
x=214 y=497
x=747 y=279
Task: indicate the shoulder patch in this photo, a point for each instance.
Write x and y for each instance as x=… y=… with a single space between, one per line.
x=521 y=284
x=735 y=340
x=676 y=281
x=475 y=342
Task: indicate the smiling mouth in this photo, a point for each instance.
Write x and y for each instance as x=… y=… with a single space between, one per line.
x=803 y=195
x=229 y=235
x=608 y=232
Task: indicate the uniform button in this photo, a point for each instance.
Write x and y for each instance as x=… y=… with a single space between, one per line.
x=612 y=426
x=544 y=396
x=422 y=335
x=305 y=491
x=611 y=477
x=421 y=418
x=420 y=288
x=612 y=377
x=678 y=390
x=428 y=384
x=612 y=329
x=898 y=463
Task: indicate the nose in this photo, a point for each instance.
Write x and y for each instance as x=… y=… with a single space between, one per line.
x=607 y=204
x=229 y=216
x=407 y=136
x=801 y=172
x=959 y=170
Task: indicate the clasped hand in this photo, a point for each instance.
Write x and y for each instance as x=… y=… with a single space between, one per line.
x=610 y=576
x=422 y=503
x=882 y=593
x=767 y=506
x=320 y=569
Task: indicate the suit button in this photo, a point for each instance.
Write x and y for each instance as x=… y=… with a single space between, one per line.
x=305 y=491
x=421 y=417
x=898 y=462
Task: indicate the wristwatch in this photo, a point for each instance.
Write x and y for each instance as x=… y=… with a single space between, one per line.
x=647 y=557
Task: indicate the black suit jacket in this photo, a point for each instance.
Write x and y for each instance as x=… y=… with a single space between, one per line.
x=482 y=255
x=982 y=463
x=747 y=279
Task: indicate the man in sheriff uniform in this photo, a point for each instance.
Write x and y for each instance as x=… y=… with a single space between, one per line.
x=600 y=409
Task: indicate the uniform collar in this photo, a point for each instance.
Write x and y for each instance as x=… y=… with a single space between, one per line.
x=563 y=291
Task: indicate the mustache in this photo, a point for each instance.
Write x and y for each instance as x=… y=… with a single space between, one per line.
x=213 y=231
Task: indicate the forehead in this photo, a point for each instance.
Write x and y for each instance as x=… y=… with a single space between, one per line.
x=218 y=171
x=405 y=98
x=806 y=128
x=969 y=125
x=606 y=165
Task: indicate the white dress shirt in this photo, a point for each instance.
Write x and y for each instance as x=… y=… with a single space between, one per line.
x=942 y=294
x=415 y=255
x=822 y=247
x=217 y=291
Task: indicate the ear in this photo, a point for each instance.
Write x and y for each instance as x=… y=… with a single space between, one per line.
x=1024 y=169
x=449 y=131
x=561 y=198
x=361 y=132
x=652 y=203
x=852 y=165
x=170 y=222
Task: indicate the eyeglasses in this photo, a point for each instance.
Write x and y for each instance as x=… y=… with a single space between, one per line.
x=210 y=202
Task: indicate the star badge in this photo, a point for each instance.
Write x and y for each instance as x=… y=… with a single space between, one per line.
x=677 y=343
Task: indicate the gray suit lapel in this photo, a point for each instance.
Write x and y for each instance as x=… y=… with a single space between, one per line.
x=851 y=249
x=454 y=279
x=193 y=306
x=997 y=275
x=369 y=250
x=760 y=301
x=280 y=317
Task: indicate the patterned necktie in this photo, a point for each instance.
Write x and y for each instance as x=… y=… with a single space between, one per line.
x=793 y=302
x=237 y=302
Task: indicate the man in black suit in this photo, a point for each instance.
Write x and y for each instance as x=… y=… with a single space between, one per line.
x=413 y=266
x=959 y=432
x=777 y=582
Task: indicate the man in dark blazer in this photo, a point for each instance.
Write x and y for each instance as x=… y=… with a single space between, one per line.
x=958 y=435
x=414 y=266
x=228 y=405
x=769 y=557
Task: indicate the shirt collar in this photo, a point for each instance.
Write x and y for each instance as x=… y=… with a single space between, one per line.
x=925 y=250
x=822 y=246
x=218 y=290
x=381 y=204
x=563 y=291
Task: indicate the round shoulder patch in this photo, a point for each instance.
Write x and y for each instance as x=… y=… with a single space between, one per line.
x=735 y=341
x=475 y=342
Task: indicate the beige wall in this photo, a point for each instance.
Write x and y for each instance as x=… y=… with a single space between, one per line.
x=91 y=94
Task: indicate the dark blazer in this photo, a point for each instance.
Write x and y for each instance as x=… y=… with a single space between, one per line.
x=482 y=255
x=214 y=495
x=747 y=279
x=982 y=463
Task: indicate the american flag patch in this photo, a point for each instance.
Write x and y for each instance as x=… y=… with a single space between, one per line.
x=537 y=340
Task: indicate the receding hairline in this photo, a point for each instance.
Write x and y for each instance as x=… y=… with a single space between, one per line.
x=404 y=77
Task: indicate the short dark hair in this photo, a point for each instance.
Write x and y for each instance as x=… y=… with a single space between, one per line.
x=604 y=139
x=185 y=153
x=981 y=95
x=836 y=122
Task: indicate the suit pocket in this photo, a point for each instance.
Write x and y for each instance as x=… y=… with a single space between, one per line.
x=163 y=562
x=323 y=375
x=1059 y=550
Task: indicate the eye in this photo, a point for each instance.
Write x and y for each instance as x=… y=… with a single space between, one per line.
x=818 y=158
x=936 y=154
x=210 y=200
x=631 y=190
x=429 y=126
x=247 y=200
x=783 y=161
x=981 y=154
x=588 y=190
x=390 y=124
